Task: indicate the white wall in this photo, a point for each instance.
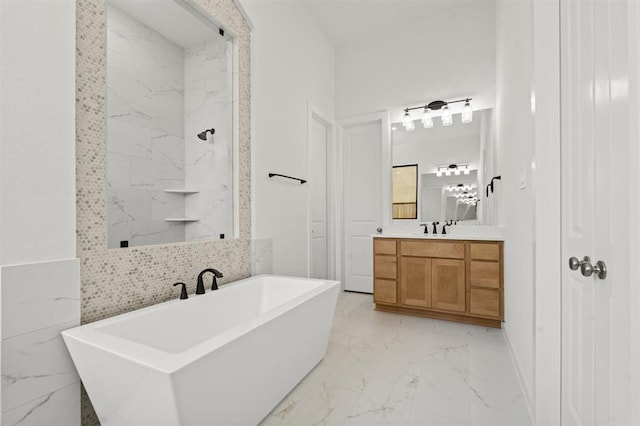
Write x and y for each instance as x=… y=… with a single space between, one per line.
x=40 y=277
x=292 y=65
x=37 y=131
x=515 y=153
x=449 y=55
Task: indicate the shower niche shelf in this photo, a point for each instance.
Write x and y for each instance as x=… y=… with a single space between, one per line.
x=181 y=219
x=183 y=191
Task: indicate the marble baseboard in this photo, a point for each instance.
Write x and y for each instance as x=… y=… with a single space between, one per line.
x=261 y=256
x=58 y=407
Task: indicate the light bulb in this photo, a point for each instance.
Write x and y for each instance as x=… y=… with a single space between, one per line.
x=466 y=170
x=406 y=120
x=447 y=172
x=467 y=114
x=457 y=172
x=447 y=119
x=410 y=127
x=438 y=173
x=427 y=121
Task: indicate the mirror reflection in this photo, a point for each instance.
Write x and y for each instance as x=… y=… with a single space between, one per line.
x=450 y=163
x=169 y=125
x=405 y=191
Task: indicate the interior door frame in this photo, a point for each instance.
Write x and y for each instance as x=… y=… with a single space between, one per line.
x=314 y=113
x=342 y=124
x=547 y=191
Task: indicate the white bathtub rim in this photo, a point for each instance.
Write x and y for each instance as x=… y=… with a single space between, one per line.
x=171 y=362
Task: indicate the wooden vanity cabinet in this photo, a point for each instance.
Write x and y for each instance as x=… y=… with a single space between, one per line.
x=384 y=271
x=454 y=279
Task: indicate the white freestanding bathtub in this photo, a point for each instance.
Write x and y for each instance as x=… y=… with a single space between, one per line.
x=226 y=357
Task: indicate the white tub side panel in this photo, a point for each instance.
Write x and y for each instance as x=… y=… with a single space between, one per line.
x=121 y=391
x=240 y=383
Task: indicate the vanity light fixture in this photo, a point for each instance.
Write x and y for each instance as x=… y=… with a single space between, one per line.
x=447 y=118
x=446 y=114
x=467 y=114
x=407 y=121
x=427 y=120
x=453 y=169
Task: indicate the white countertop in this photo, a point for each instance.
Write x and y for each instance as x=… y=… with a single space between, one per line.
x=439 y=237
x=475 y=233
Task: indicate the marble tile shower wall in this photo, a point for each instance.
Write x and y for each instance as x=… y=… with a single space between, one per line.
x=209 y=164
x=39 y=382
x=145 y=136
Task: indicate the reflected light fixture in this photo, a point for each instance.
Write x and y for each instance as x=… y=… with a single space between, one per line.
x=446 y=114
x=453 y=169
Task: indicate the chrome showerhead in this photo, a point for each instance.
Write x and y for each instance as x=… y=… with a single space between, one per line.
x=203 y=135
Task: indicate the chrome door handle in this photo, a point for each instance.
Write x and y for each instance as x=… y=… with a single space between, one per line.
x=575 y=264
x=600 y=269
x=586 y=268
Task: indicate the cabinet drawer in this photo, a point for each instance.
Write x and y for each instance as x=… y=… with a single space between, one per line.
x=381 y=246
x=445 y=250
x=485 y=274
x=385 y=267
x=485 y=302
x=384 y=291
x=485 y=251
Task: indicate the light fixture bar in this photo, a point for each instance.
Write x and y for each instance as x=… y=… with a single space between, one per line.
x=446 y=115
x=436 y=105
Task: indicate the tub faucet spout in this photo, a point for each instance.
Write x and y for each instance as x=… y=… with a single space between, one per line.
x=214 y=286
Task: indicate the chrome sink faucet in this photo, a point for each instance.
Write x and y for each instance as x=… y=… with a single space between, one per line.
x=214 y=286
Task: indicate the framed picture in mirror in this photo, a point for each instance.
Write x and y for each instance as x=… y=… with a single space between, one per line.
x=405 y=191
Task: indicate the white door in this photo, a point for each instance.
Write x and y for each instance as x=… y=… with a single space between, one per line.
x=363 y=210
x=599 y=112
x=318 y=189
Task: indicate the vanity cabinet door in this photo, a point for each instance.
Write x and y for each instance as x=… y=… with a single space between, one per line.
x=385 y=271
x=415 y=281
x=485 y=280
x=385 y=291
x=449 y=287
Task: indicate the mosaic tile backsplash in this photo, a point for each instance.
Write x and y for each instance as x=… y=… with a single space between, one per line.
x=114 y=281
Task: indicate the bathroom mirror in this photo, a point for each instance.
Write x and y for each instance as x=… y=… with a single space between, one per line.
x=169 y=125
x=451 y=163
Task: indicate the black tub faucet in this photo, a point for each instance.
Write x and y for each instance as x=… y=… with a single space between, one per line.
x=426 y=230
x=435 y=228
x=183 y=293
x=214 y=286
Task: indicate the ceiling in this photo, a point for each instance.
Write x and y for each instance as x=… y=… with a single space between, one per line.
x=350 y=21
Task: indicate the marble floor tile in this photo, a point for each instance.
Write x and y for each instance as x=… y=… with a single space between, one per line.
x=391 y=369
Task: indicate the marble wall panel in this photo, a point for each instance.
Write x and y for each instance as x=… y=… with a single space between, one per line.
x=38 y=301
x=209 y=164
x=145 y=126
x=261 y=256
